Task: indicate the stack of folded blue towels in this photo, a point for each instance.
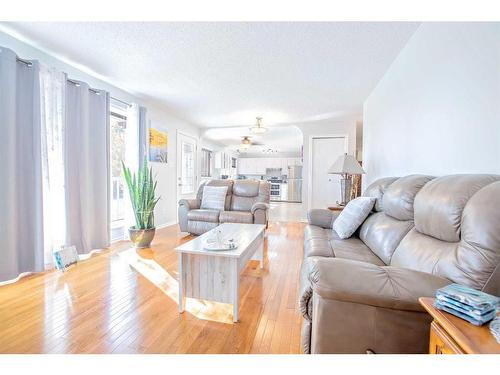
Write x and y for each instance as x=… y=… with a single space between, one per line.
x=472 y=305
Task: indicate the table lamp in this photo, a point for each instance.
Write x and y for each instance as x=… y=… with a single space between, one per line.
x=345 y=165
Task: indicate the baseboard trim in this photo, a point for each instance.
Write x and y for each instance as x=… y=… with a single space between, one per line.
x=167 y=224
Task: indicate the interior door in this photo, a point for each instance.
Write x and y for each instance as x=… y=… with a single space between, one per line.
x=187 y=181
x=325 y=189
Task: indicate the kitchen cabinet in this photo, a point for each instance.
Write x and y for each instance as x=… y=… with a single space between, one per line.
x=251 y=166
x=223 y=160
x=258 y=166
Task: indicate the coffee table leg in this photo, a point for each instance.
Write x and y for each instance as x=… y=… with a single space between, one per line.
x=181 y=284
x=261 y=254
x=236 y=289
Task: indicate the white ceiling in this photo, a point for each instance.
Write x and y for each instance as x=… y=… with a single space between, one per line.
x=277 y=138
x=226 y=74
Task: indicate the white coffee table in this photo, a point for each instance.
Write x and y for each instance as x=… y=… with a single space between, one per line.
x=215 y=275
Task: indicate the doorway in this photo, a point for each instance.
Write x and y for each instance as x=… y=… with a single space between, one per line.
x=187 y=181
x=324 y=190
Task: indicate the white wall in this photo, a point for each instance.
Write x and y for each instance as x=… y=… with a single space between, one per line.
x=342 y=127
x=166 y=211
x=437 y=109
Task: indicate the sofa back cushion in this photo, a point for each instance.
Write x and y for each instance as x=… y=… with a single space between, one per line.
x=456 y=233
x=399 y=196
x=377 y=190
x=439 y=207
x=229 y=193
x=383 y=231
x=382 y=234
x=248 y=192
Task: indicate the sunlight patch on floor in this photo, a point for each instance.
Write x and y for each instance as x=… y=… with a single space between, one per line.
x=151 y=270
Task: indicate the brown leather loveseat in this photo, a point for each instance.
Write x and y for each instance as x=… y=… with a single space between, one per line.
x=361 y=293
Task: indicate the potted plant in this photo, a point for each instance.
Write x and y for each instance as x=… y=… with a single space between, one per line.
x=142 y=190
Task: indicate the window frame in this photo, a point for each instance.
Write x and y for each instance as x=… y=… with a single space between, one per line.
x=206 y=168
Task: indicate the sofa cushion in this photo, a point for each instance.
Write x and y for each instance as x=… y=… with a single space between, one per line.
x=236 y=217
x=354 y=249
x=353 y=216
x=316 y=241
x=326 y=243
x=317 y=247
x=211 y=216
x=214 y=197
x=314 y=231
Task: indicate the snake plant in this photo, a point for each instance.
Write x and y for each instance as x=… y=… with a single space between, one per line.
x=142 y=190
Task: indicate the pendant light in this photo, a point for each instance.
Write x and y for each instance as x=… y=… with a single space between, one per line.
x=258 y=128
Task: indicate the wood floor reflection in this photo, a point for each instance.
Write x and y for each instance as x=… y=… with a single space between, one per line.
x=120 y=301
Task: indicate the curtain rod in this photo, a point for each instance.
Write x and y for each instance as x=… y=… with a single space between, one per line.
x=76 y=83
x=25 y=62
x=121 y=101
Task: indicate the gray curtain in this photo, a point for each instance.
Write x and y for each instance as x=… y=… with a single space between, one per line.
x=21 y=216
x=87 y=167
x=143 y=135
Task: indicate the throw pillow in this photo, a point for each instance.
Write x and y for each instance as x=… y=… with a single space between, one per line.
x=352 y=216
x=214 y=197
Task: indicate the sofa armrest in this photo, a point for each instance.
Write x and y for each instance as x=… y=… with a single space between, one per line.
x=260 y=213
x=259 y=206
x=322 y=217
x=379 y=286
x=186 y=205
x=190 y=204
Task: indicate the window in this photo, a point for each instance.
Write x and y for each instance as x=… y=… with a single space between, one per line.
x=118 y=126
x=206 y=163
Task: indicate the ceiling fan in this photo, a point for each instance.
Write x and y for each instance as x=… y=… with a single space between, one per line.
x=246 y=142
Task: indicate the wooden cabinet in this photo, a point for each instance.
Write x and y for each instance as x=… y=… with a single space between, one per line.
x=440 y=342
x=452 y=335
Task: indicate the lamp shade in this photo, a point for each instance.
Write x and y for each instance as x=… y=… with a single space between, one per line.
x=346 y=164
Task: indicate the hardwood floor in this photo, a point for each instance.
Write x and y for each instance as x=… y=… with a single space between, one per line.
x=123 y=301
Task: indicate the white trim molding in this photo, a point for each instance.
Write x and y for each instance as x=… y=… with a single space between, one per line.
x=310 y=157
x=167 y=224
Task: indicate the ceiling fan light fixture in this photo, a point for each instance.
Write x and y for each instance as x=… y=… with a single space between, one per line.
x=258 y=128
x=245 y=143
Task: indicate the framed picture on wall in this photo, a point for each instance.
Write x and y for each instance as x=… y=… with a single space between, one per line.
x=158 y=145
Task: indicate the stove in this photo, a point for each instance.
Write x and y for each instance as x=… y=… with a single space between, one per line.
x=275 y=188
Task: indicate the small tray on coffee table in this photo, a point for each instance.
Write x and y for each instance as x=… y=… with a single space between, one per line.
x=225 y=246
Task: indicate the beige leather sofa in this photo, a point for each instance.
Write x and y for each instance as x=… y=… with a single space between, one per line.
x=247 y=201
x=362 y=293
